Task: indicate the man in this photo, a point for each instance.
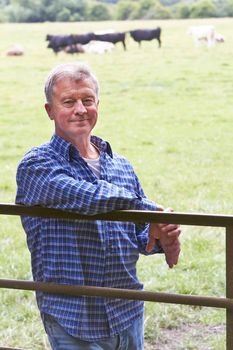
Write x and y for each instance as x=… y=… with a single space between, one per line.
x=77 y=171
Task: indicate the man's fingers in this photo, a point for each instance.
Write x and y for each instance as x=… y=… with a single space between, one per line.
x=174 y=233
x=150 y=244
x=172 y=253
x=168 y=210
x=153 y=235
x=159 y=208
x=168 y=227
x=171 y=230
x=172 y=247
x=171 y=261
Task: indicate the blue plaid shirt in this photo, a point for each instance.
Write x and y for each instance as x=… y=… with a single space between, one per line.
x=95 y=253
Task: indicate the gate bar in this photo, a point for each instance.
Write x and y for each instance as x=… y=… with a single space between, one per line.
x=193 y=219
x=3 y=348
x=118 y=293
x=229 y=286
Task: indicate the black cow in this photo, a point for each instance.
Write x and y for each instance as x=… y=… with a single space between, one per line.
x=146 y=34
x=58 y=42
x=82 y=38
x=111 y=38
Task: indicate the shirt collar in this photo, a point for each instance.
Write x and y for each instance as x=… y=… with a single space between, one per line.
x=66 y=149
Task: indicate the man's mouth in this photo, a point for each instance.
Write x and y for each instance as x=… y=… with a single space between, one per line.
x=80 y=119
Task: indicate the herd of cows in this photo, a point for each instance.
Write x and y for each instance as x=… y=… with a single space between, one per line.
x=105 y=41
x=99 y=41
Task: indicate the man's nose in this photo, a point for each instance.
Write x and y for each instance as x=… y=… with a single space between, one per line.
x=79 y=108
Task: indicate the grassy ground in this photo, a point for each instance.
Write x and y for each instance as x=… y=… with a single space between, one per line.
x=169 y=111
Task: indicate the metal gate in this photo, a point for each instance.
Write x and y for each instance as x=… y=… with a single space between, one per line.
x=137 y=216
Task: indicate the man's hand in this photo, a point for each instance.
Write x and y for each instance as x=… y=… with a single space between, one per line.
x=168 y=235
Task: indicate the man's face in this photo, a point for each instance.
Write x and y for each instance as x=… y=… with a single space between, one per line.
x=74 y=108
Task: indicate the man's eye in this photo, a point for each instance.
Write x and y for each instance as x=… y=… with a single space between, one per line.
x=68 y=103
x=88 y=102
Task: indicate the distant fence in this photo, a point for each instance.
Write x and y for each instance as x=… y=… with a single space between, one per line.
x=225 y=221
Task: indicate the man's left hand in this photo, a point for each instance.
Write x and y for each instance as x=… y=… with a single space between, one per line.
x=168 y=236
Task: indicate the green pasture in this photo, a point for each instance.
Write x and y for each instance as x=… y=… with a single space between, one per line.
x=169 y=111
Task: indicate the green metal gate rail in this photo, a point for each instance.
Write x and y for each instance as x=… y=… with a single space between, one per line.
x=137 y=216
x=3 y=348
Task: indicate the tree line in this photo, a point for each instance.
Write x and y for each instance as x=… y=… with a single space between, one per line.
x=101 y=10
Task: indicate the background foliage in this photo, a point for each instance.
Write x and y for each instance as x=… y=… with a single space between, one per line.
x=169 y=111
x=100 y=10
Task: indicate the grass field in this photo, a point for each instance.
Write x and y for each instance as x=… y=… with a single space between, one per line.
x=169 y=111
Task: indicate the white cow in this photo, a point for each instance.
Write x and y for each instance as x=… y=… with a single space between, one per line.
x=219 y=38
x=15 y=50
x=203 y=34
x=95 y=46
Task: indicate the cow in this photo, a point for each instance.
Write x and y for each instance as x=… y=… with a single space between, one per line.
x=82 y=39
x=219 y=38
x=202 y=34
x=15 y=50
x=113 y=38
x=98 y=47
x=139 y=35
x=76 y=48
x=59 y=42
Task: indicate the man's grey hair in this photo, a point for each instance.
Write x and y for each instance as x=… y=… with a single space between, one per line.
x=74 y=71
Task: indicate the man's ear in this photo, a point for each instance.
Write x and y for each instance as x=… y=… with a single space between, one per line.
x=48 y=110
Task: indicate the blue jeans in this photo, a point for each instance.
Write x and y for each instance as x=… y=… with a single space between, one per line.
x=129 y=339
